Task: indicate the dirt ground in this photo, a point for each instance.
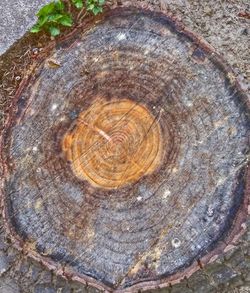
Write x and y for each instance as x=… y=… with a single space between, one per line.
x=223 y=24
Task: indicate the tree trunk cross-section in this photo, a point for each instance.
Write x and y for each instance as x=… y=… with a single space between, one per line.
x=114 y=143
x=125 y=155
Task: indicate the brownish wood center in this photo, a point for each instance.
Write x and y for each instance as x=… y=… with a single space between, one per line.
x=114 y=143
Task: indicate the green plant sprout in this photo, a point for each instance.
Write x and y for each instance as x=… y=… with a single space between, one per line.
x=55 y=15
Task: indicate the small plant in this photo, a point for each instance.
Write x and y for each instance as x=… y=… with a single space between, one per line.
x=95 y=6
x=54 y=15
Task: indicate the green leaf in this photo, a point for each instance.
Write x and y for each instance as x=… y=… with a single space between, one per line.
x=51 y=8
x=91 y=6
x=54 y=14
x=42 y=20
x=66 y=20
x=55 y=17
x=59 y=5
x=96 y=10
x=47 y=9
x=78 y=3
x=54 y=31
x=35 y=29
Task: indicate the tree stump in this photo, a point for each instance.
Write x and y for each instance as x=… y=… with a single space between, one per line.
x=125 y=154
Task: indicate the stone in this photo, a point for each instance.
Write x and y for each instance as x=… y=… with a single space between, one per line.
x=17 y=17
x=180 y=288
x=230 y=254
x=236 y=282
x=199 y=283
x=244 y=289
x=222 y=274
x=240 y=262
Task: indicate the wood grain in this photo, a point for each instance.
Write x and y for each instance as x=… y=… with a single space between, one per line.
x=127 y=163
x=114 y=143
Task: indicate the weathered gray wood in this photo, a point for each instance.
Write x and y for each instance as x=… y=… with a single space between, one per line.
x=165 y=221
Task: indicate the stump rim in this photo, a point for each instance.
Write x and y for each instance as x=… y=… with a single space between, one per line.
x=239 y=224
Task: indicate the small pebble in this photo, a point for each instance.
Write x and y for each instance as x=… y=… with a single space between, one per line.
x=35 y=51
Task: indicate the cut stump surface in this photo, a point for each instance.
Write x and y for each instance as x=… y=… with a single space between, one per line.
x=125 y=155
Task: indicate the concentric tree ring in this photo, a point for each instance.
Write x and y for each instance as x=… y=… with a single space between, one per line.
x=128 y=162
x=114 y=143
